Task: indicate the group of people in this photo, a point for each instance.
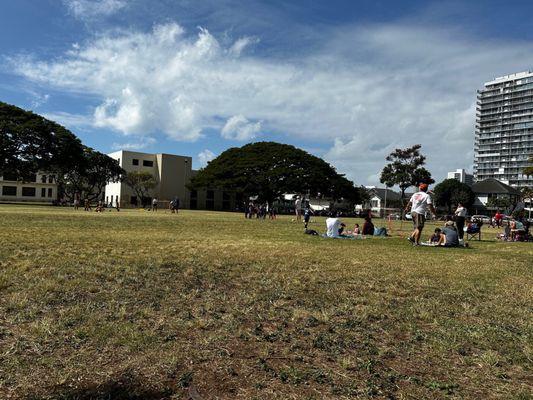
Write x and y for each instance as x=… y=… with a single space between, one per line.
x=335 y=228
x=259 y=211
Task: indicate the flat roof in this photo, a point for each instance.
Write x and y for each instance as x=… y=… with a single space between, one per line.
x=510 y=77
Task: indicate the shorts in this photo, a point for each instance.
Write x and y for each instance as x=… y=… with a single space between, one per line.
x=418 y=220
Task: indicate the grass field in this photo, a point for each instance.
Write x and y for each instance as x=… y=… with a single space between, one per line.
x=135 y=305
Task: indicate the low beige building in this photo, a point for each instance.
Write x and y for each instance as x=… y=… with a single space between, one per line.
x=39 y=188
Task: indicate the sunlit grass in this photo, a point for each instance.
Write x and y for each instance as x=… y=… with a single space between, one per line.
x=146 y=304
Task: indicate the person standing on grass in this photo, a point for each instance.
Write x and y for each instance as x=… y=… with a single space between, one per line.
x=298 y=208
x=498 y=218
x=419 y=204
x=460 y=216
x=87 y=205
x=307 y=214
x=154 y=204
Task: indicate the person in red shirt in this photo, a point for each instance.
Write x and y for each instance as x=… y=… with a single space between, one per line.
x=498 y=217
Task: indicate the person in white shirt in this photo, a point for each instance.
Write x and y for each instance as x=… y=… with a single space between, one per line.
x=334 y=227
x=298 y=208
x=460 y=216
x=419 y=204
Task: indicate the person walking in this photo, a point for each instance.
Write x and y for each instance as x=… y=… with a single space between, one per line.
x=419 y=204
x=460 y=217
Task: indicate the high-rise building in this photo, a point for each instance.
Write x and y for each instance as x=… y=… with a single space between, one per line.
x=504 y=129
x=462 y=176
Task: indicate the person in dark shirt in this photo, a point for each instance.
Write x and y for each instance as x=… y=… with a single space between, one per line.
x=449 y=236
x=368 y=227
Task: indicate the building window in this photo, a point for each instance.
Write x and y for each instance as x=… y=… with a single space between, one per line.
x=43 y=179
x=28 y=191
x=147 y=163
x=9 y=191
x=43 y=192
x=51 y=179
x=50 y=192
x=135 y=161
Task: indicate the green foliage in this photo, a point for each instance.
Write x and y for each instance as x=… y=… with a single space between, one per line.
x=528 y=171
x=141 y=182
x=499 y=202
x=451 y=192
x=270 y=169
x=405 y=169
x=30 y=143
x=90 y=175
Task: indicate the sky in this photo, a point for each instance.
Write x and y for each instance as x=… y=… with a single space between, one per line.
x=346 y=80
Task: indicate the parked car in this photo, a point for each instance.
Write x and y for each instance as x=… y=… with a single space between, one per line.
x=482 y=218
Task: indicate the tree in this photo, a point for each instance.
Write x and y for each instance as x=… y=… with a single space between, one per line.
x=405 y=169
x=30 y=143
x=269 y=169
x=142 y=183
x=89 y=177
x=451 y=192
x=528 y=171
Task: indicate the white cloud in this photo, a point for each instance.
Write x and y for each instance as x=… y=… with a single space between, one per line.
x=89 y=9
x=240 y=44
x=205 y=156
x=141 y=144
x=70 y=121
x=239 y=128
x=364 y=92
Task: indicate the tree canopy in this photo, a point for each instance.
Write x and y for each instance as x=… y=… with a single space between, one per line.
x=269 y=169
x=451 y=192
x=90 y=175
x=406 y=169
x=30 y=143
x=528 y=171
x=142 y=183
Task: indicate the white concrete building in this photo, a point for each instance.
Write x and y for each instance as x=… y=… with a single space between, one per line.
x=462 y=176
x=40 y=188
x=504 y=129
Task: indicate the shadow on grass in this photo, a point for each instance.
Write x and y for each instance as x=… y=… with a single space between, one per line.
x=125 y=388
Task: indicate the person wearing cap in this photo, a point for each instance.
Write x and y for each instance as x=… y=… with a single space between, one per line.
x=419 y=204
x=449 y=236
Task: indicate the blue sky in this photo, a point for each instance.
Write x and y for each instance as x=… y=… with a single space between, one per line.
x=346 y=80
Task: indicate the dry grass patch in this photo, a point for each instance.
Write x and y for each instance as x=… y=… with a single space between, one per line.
x=140 y=305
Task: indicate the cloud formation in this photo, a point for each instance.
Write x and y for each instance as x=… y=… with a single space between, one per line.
x=141 y=144
x=89 y=9
x=205 y=156
x=239 y=128
x=362 y=92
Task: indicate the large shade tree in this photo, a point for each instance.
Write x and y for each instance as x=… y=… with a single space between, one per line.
x=269 y=169
x=30 y=143
x=451 y=192
x=88 y=178
x=142 y=183
x=406 y=169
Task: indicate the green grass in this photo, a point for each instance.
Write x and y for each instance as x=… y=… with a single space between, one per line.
x=140 y=305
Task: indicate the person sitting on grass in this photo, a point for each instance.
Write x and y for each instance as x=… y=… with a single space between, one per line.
x=356 y=230
x=334 y=227
x=448 y=236
x=368 y=227
x=435 y=238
